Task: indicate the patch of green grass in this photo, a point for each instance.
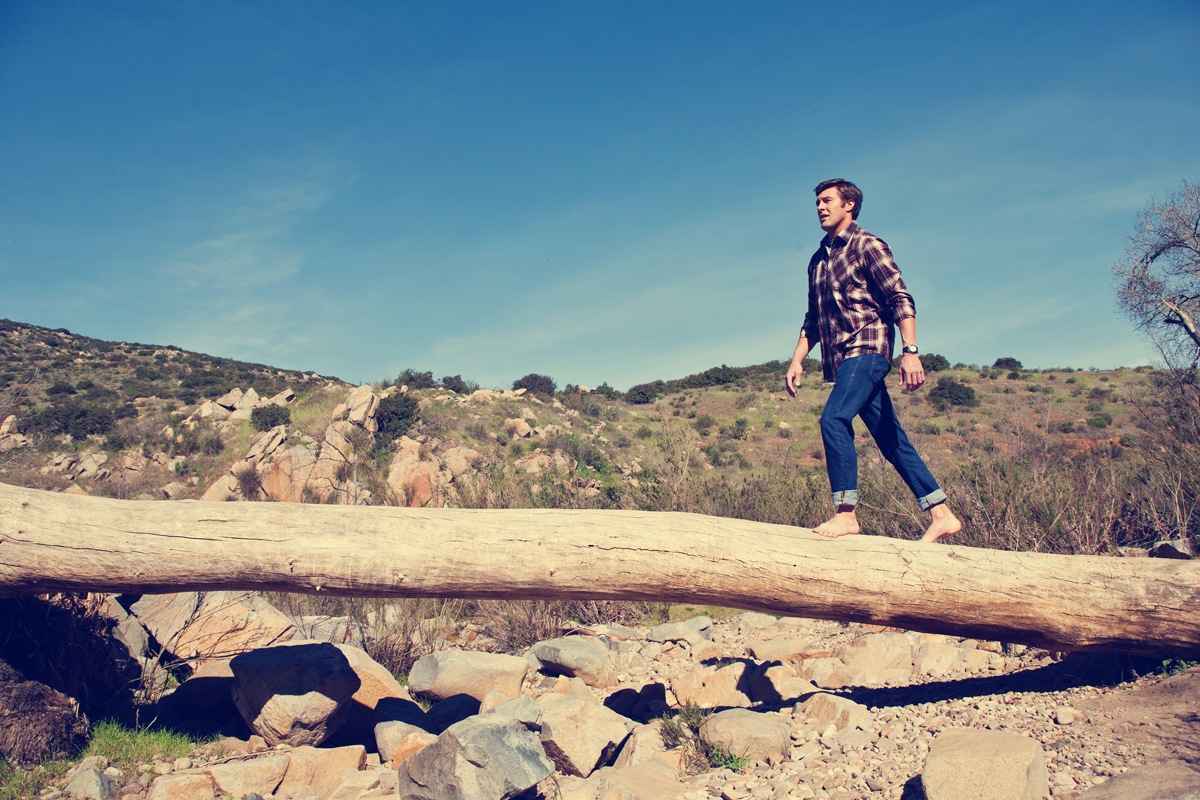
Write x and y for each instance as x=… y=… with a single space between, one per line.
x=123 y=745
x=18 y=785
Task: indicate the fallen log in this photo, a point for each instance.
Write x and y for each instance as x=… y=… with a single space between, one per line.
x=53 y=542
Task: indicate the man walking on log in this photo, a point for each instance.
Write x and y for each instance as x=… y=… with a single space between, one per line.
x=855 y=296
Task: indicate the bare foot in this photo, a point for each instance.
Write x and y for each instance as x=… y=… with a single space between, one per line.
x=844 y=523
x=944 y=523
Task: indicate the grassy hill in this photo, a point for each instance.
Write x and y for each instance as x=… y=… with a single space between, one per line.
x=1057 y=460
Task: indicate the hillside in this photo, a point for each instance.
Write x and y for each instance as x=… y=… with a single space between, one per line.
x=1046 y=460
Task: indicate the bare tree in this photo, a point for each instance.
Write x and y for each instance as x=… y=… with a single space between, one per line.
x=1158 y=282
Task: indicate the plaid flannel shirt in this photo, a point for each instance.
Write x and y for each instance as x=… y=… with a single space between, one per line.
x=855 y=296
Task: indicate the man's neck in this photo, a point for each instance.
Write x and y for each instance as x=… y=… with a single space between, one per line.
x=841 y=230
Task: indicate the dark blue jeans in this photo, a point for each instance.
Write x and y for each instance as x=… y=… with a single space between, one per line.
x=859 y=390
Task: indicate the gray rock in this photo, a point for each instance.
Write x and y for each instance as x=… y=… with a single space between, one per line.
x=749 y=734
x=295 y=695
x=1173 y=780
x=577 y=657
x=91 y=784
x=489 y=757
x=989 y=765
x=450 y=672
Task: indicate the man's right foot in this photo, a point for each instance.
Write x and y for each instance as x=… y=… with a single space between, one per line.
x=944 y=523
x=844 y=523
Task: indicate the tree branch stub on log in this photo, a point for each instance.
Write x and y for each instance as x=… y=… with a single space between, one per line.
x=56 y=542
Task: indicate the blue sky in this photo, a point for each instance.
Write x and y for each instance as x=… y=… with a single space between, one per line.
x=595 y=191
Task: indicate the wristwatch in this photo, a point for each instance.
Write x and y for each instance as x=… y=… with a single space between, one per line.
x=910 y=350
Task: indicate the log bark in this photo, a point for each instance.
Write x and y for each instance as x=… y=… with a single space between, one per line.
x=53 y=542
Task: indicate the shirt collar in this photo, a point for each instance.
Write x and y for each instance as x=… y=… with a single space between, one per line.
x=844 y=238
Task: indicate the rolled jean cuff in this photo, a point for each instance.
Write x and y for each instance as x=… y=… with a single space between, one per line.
x=850 y=498
x=932 y=499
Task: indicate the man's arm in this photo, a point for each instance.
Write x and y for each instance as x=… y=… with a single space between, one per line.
x=912 y=371
x=796 y=368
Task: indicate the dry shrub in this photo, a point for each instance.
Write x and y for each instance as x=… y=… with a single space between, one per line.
x=515 y=625
x=419 y=628
x=249 y=482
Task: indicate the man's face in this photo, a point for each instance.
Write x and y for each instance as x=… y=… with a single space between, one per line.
x=833 y=212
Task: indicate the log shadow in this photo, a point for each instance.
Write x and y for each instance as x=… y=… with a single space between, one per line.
x=1076 y=670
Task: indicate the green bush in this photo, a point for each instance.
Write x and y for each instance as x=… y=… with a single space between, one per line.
x=416 y=380
x=1006 y=363
x=934 y=363
x=537 y=384
x=60 y=388
x=266 y=417
x=643 y=393
x=456 y=384
x=950 y=392
x=395 y=415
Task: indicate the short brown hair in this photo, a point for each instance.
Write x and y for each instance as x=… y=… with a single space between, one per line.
x=847 y=190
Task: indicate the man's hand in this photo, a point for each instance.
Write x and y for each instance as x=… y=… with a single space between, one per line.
x=794 y=373
x=912 y=372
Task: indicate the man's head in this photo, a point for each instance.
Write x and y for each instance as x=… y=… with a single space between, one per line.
x=838 y=204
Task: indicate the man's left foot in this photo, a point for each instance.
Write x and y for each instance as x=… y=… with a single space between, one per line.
x=944 y=524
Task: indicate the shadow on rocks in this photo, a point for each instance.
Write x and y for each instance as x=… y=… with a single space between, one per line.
x=1075 y=670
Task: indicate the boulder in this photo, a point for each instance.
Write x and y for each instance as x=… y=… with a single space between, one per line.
x=517 y=428
x=320 y=771
x=650 y=780
x=771 y=649
x=695 y=631
x=356 y=785
x=449 y=672
x=879 y=658
x=459 y=459
x=936 y=659
x=748 y=734
x=248 y=400
x=261 y=775
x=297 y=694
x=230 y=399
x=489 y=757
x=753 y=621
x=842 y=712
x=778 y=683
x=92 y=784
x=397 y=718
x=711 y=687
x=574 y=687
x=966 y=764
x=643 y=743
x=212 y=626
x=409 y=746
x=183 y=786
x=579 y=736
x=1173 y=780
x=577 y=656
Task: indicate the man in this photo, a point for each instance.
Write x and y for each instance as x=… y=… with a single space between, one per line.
x=855 y=296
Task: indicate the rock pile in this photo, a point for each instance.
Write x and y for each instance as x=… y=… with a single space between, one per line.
x=809 y=710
